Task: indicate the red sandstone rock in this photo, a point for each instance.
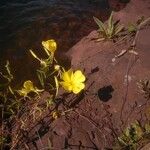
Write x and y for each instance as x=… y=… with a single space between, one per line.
x=112 y=99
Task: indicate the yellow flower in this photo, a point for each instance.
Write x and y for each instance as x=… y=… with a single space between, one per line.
x=27 y=88
x=49 y=45
x=73 y=82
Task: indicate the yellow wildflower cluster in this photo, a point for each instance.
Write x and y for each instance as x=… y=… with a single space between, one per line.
x=69 y=80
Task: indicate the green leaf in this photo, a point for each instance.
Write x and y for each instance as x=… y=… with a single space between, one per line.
x=110 y=32
x=57 y=85
x=9 y=76
x=110 y=21
x=11 y=90
x=8 y=67
x=34 y=55
x=42 y=77
x=118 y=29
x=100 y=24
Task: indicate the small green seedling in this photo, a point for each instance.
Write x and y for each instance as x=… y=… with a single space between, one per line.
x=133 y=27
x=110 y=30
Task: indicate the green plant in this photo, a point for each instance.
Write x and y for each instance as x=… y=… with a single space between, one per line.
x=109 y=31
x=133 y=137
x=132 y=28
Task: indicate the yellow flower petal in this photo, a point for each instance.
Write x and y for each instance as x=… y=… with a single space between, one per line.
x=66 y=86
x=77 y=88
x=81 y=85
x=50 y=45
x=78 y=76
x=66 y=76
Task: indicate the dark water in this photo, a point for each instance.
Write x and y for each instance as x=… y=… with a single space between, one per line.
x=25 y=23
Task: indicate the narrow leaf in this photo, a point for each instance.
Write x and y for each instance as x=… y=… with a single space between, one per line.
x=57 y=85
x=119 y=29
x=34 y=55
x=110 y=21
x=100 y=24
x=10 y=76
x=41 y=76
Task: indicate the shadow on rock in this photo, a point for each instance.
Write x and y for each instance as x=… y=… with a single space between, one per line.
x=105 y=93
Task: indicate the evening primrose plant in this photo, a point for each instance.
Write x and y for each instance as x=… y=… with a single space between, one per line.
x=51 y=76
x=69 y=80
